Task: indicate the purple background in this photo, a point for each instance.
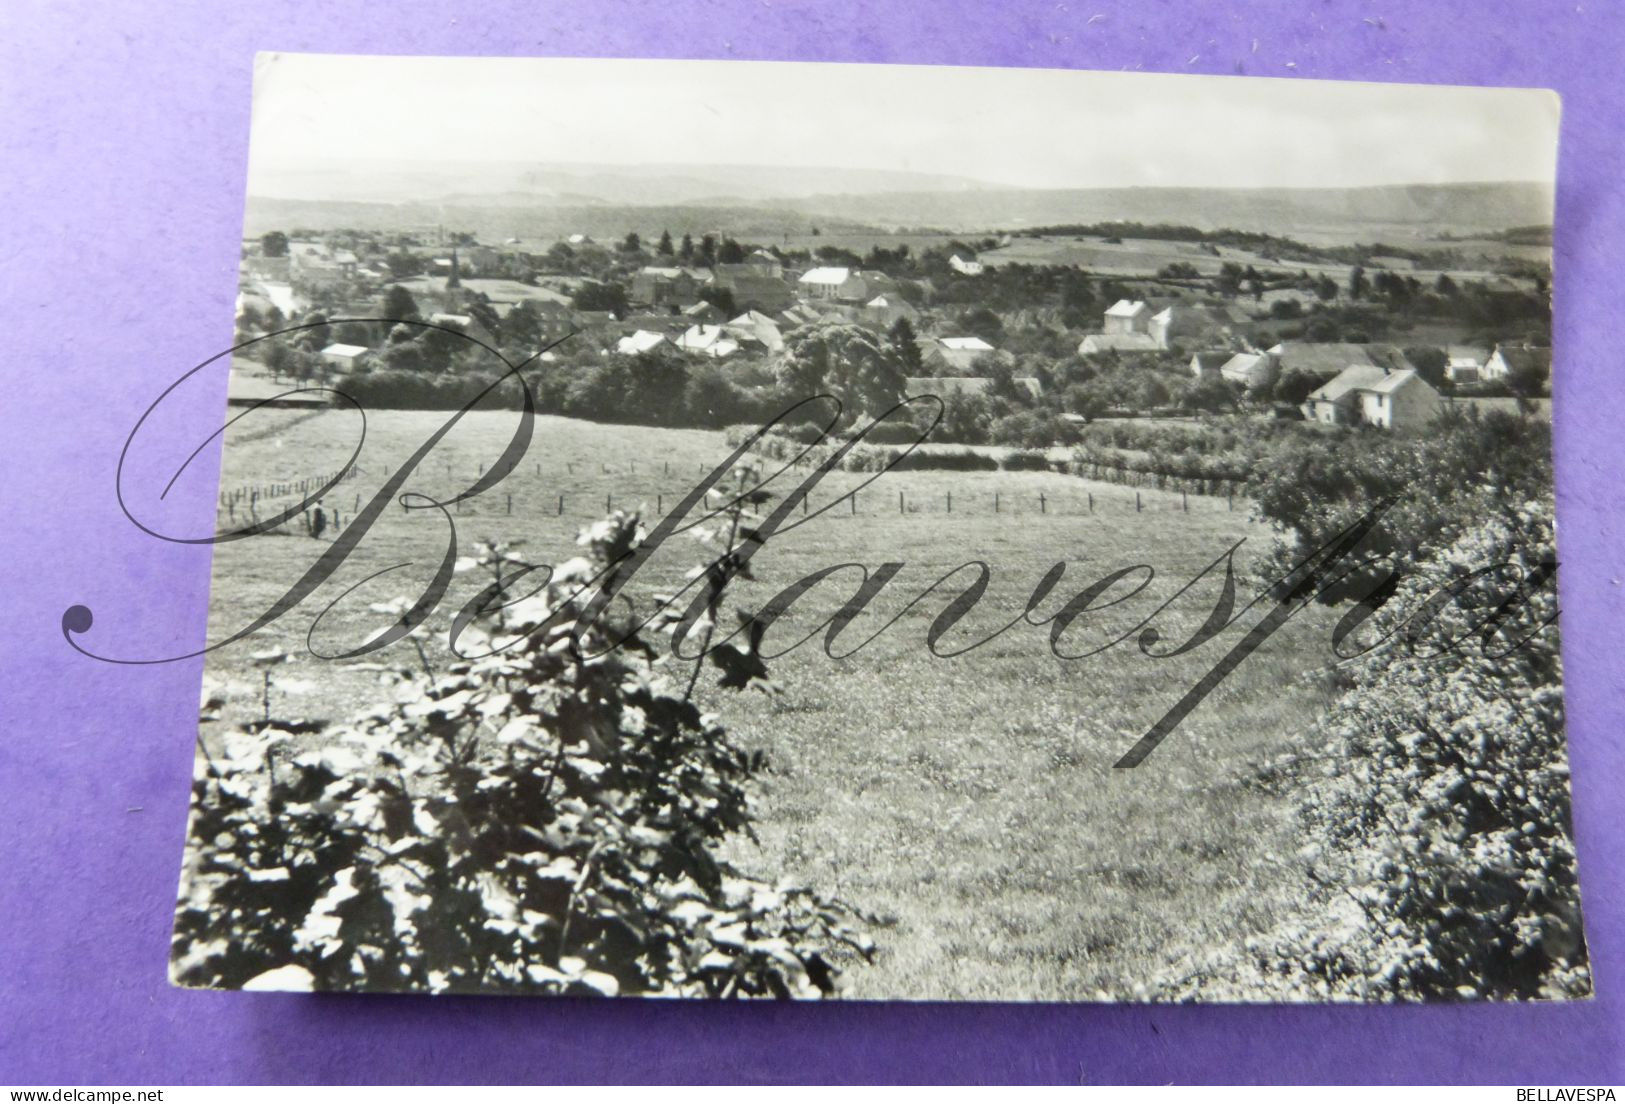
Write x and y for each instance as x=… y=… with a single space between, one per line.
x=123 y=132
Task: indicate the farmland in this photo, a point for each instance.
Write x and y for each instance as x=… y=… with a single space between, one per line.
x=968 y=804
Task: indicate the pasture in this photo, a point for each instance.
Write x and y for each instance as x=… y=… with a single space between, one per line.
x=968 y=802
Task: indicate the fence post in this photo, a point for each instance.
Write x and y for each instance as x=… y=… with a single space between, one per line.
x=995 y=502
x=1136 y=502
x=1230 y=500
x=607 y=506
x=1091 y=502
x=1184 y=502
x=950 y=502
x=853 y=499
x=561 y=505
x=510 y=504
x=1041 y=508
x=660 y=504
x=900 y=502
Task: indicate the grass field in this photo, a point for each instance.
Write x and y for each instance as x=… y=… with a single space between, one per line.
x=969 y=802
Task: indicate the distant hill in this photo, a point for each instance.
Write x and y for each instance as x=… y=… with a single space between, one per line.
x=500 y=201
x=1424 y=208
x=506 y=183
x=495 y=222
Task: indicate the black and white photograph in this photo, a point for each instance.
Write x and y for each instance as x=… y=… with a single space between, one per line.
x=810 y=530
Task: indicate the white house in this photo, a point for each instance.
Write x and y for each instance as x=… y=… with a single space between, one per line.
x=711 y=341
x=1373 y=395
x=1127 y=316
x=1509 y=358
x=756 y=328
x=1462 y=369
x=640 y=341
x=885 y=310
x=1248 y=369
x=346 y=358
x=1123 y=342
x=964 y=267
x=956 y=352
x=831 y=283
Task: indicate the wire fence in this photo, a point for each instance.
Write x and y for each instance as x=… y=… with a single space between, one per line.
x=653 y=487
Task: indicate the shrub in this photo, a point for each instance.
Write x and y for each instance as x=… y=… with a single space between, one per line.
x=1449 y=814
x=1026 y=460
x=544 y=817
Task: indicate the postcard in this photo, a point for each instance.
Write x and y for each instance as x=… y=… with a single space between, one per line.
x=699 y=529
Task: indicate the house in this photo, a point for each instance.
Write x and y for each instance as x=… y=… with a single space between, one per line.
x=846 y=284
x=954 y=352
x=826 y=283
x=1126 y=317
x=1370 y=394
x=313 y=265
x=463 y=324
x=1210 y=365
x=884 y=310
x=345 y=358
x=1509 y=358
x=578 y=239
x=711 y=341
x=657 y=286
x=1325 y=359
x=765 y=264
x=1462 y=369
x=965 y=385
x=703 y=312
x=1249 y=370
x=803 y=315
x=1182 y=321
x=1121 y=342
x=964 y=267
x=753 y=286
x=639 y=341
x=756 y=328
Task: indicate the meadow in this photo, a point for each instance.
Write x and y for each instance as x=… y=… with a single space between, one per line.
x=967 y=803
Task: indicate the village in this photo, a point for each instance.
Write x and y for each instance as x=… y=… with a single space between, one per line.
x=1022 y=354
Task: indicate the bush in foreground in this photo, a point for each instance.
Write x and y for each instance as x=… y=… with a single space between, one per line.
x=543 y=818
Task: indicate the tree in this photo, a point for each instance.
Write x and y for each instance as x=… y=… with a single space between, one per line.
x=721 y=298
x=1429 y=362
x=965 y=419
x=708 y=249
x=1325 y=288
x=1527 y=382
x=1445 y=286
x=607 y=296
x=399 y=306
x=731 y=252
x=632 y=244
x=905 y=346
x=274 y=244
x=1087 y=399
x=522 y=326
x=687 y=251
x=983 y=323
x=1295 y=385
x=844 y=360
x=1357 y=283
x=664 y=248
x=1209 y=393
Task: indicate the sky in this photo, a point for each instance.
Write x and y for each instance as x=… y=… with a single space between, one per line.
x=1043 y=128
